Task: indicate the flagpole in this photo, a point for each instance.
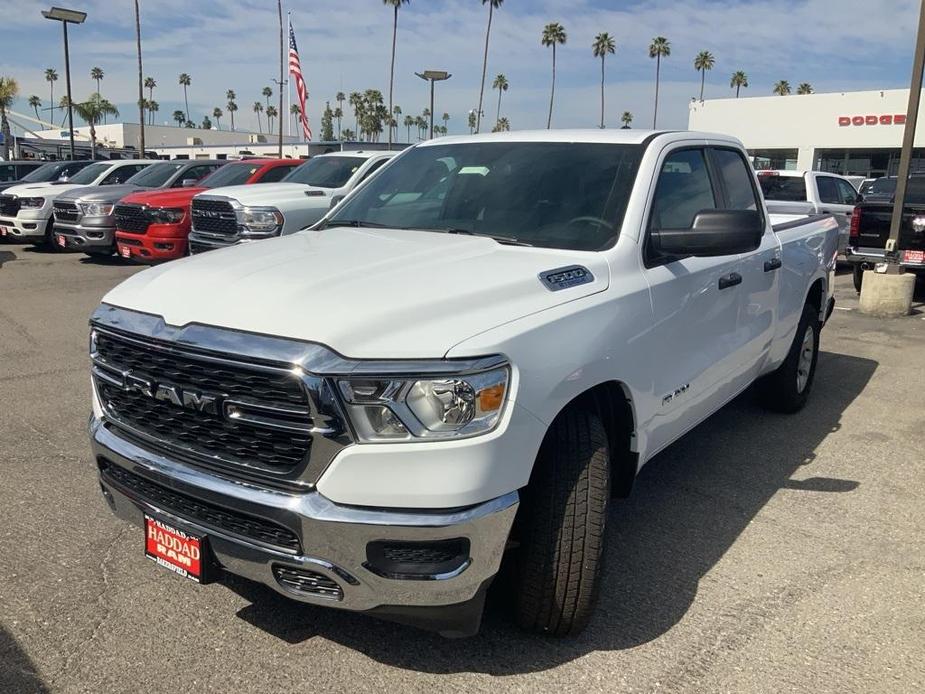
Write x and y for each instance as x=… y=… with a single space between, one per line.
x=289 y=85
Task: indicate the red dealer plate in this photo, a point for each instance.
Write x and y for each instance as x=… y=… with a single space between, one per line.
x=914 y=256
x=62 y=241
x=126 y=252
x=174 y=549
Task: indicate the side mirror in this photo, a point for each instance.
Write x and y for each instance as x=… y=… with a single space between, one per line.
x=63 y=179
x=713 y=233
x=189 y=182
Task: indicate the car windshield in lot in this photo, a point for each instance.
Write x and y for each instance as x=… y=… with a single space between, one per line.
x=156 y=175
x=551 y=194
x=229 y=175
x=88 y=175
x=46 y=172
x=325 y=172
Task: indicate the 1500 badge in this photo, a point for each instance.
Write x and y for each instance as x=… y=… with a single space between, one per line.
x=671 y=397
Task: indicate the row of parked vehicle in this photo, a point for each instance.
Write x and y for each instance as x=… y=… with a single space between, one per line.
x=152 y=211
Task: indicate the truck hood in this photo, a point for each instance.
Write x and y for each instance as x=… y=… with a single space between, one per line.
x=263 y=194
x=51 y=190
x=100 y=193
x=366 y=293
x=169 y=197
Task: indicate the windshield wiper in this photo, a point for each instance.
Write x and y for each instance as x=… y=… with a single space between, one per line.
x=356 y=223
x=506 y=240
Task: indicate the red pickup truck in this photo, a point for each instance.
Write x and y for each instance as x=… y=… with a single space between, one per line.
x=153 y=226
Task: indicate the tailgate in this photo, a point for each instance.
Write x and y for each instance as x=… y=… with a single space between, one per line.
x=874 y=227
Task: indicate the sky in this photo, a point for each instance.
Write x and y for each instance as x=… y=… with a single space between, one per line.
x=836 y=45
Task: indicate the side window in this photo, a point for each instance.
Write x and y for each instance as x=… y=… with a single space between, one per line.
x=195 y=172
x=372 y=169
x=783 y=188
x=276 y=174
x=7 y=172
x=683 y=189
x=120 y=175
x=849 y=196
x=737 y=180
x=828 y=190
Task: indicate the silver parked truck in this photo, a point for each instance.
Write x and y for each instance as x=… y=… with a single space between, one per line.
x=84 y=218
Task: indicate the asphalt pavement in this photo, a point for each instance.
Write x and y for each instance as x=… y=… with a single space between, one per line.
x=761 y=553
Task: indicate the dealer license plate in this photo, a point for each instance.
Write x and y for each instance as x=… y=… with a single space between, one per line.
x=126 y=252
x=178 y=551
x=62 y=241
x=914 y=256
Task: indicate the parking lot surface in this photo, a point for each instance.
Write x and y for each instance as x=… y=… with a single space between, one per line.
x=761 y=553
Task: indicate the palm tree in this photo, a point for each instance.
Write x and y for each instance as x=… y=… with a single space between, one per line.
x=446 y=119
x=217 y=115
x=9 y=90
x=603 y=44
x=92 y=111
x=805 y=88
x=51 y=76
x=396 y=113
x=782 y=88
x=492 y=6
x=63 y=104
x=339 y=115
x=141 y=94
x=503 y=125
x=340 y=98
x=356 y=103
x=349 y=135
x=153 y=107
x=472 y=122
x=232 y=106
x=97 y=74
x=501 y=84
x=409 y=121
x=35 y=102
x=258 y=107
x=626 y=119
x=394 y=4
x=271 y=114
x=150 y=83
x=553 y=35
x=267 y=93
x=739 y=80
x=295 y=112
x=703 y=62
x=185 y=80
x=206 y=123
x=421 y=124
x=658 y=49
x=180 y=117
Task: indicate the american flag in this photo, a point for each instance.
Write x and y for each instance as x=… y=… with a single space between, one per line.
x=295 y=69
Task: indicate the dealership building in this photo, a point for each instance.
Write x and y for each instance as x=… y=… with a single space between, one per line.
x=849 y=133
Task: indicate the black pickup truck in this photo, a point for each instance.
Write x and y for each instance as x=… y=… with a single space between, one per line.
x=870 y=229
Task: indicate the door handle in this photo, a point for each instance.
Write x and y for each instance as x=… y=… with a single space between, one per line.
x=730 y=280
x=772 y=264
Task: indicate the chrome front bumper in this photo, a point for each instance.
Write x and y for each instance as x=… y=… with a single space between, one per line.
x=333 y=538
x=81 y=236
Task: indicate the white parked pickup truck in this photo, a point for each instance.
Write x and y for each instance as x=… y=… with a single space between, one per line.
x=459 y=369
x=26 y=211
x=239 y=214
x=809 y=193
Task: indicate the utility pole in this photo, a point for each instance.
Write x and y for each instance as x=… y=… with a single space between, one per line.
x=141 y=93
x=279 y=7
x=433 y=76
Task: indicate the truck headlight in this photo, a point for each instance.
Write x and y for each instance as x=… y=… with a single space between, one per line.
x=420 y=409
x=260 y=220
x=96 y=209
x=31 y=202
x=165 y=215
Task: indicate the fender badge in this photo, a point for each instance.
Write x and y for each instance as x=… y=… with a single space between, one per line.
x=566 y=277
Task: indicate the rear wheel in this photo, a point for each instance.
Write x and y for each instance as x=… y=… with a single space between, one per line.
x=858 y=271
x=564 y=513
x=787 y=389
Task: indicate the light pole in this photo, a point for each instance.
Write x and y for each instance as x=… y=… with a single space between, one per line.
x=432 y=76
x=59 y=14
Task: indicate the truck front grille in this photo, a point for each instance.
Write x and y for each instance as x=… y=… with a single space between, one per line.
x=9 y=205
x=214 y=217
x=65 y=211
x=208 y=515
x=132 y=218
x=259 y=423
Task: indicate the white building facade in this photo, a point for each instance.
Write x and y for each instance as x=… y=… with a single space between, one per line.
x=849 y=133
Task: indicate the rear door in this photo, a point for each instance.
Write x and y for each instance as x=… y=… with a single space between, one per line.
x=837 y=197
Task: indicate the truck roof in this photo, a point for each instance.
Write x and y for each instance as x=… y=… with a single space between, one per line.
x=628 y=136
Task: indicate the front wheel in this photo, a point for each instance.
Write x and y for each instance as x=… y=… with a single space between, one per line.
x=564 y=513
x=787 y=389
x=50 y=238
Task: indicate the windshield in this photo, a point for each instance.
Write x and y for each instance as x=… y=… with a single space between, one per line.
x=88 y=175
x=46 y=172
x=325 y=172
x=882 y=186
x=552 y=194
x=229 y=175
x=155 y=175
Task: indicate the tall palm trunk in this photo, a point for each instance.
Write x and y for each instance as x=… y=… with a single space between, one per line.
x=658 y=70
x=552 y=92
x=602 y=92
x=392 y=70
x=186 y=102
x=703 y=76
x=92 y=141
x=478 y=114
x=500 y=92
x=738 y=86
x=141 y=92
x=51 y=105
x=7 y=135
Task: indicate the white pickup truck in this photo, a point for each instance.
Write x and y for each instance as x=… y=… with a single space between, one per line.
x=457 y=370
x=238 y=214
x=810 y=193
x=27 y=212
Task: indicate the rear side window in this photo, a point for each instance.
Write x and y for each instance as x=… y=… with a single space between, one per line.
x=683 y=189
x=737 y=180
x=828 y=190
x=122 y=174
x=783 y=188
x=373 y=169
x=846 y=191
x=276 y=174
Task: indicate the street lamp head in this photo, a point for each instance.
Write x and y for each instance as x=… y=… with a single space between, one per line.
x=63 y=15
x=434 y=75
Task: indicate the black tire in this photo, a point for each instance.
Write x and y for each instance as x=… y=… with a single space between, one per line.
x=561 y=529
x=50 y=238
x=858 y=272
x=787 y=389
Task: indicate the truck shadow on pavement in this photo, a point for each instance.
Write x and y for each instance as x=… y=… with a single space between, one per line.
x=17 y=673
x=688 y=507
